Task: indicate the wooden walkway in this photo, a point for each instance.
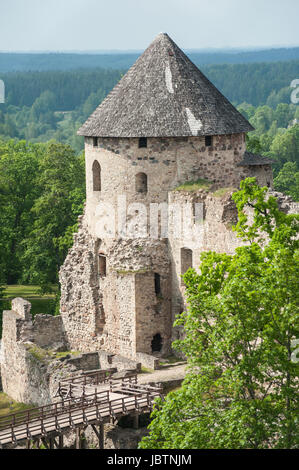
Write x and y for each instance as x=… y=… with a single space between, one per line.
x=47 y=424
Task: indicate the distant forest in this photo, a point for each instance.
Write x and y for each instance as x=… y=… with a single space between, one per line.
x=41 y=106
x=12 y=62
x=253 y=83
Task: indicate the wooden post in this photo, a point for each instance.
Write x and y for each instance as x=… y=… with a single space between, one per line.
x=78 y=438
x=60 y=441
x=101 y=436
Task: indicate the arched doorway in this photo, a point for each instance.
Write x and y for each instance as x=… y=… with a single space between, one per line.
x=157 y=343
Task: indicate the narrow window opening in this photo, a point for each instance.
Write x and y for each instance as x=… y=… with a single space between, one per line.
x=142 y=142
x=208 y=140
x=96 y=176
x=95 y=141
x=102 y=266
x=157 y=343
x=141 y=183
x=186 y=260
x=157 y=284
x=198 y=212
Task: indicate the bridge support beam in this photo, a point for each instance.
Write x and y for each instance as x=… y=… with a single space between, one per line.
x=79 y=440
x=136 y=420
x=100 y=434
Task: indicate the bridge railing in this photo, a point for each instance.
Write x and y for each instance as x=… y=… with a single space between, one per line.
x=53 y=409
x=91 y=378
x=69 y=414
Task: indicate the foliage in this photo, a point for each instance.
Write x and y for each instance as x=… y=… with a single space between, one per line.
x=287 y=180
x=8 y=405
x=46 y=105
x=42 y=190
x=241 y=387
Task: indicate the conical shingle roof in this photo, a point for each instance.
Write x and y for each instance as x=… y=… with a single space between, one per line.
x=164 y=95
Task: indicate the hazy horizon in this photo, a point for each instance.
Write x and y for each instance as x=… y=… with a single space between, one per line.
x=95 y=26
x=138 y=51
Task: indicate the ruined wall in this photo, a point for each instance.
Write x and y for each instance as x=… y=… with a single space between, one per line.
x=100 y=311
x=263 y=174
x=213 y=231
x=23 y=376
x=109 y=298
x=31 y=364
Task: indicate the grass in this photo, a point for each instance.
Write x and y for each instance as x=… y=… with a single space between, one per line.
x=222 y=191
x=8 y=405
x=192 y=186
x=40 y=303
x=43 y=354
x=171 y=360
x=145 y=370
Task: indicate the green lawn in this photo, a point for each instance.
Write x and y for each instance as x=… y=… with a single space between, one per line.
x=40 y=303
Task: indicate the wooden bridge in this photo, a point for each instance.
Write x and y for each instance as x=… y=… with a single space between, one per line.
x=78 y=407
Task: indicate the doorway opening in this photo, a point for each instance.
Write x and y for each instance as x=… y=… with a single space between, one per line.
x=157 y=343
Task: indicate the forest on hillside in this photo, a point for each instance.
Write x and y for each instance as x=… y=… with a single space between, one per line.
x=12 y=62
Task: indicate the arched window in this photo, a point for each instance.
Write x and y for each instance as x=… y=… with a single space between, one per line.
x=96 y=176
x=141 y=183
x=157 y=343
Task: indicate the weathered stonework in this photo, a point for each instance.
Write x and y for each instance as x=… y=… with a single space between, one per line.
x=31 y=367
x=108 y=313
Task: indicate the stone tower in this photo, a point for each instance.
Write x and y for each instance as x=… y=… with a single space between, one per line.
x=162 y=126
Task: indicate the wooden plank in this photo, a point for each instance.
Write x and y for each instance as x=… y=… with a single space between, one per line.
x=78 y=416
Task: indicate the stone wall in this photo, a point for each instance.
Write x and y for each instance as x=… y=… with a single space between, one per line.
x=167 y=162
x=31 y=365
x=212 y=232
x=22 y=377
x=122 y=312
x=119 y=312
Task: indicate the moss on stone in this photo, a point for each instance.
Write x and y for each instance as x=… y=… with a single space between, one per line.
x=8 y=405
x=37 y=352
x=223 y=191
x=47 y=354
x=193 y=186
x=59 y=355
x=132 y=271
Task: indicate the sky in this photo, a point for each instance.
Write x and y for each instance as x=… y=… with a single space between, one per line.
x=93 y=25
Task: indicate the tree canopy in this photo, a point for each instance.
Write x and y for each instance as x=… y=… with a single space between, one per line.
x=42 y=191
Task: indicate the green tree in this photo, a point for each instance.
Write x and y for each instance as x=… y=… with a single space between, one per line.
x=285 y=147
x=241 y=387
x=262 y=119
x=63 y=191
x=287 y=180
x=18 y=190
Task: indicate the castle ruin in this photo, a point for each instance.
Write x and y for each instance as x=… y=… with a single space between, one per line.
x=163 y=126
